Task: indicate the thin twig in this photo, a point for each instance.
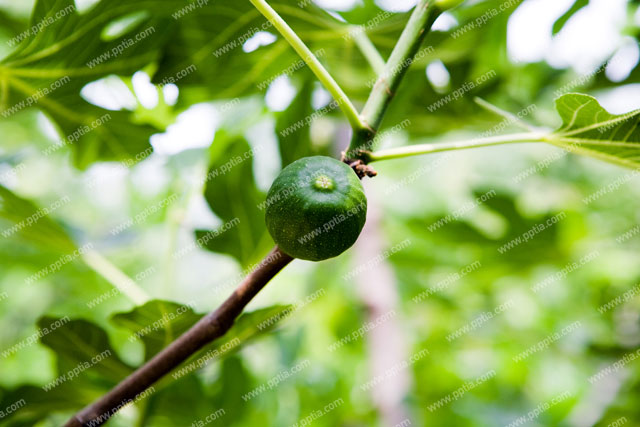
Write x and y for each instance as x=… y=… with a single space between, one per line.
x=210 y=327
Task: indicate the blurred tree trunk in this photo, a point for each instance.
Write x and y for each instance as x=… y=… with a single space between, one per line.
x=386 y=342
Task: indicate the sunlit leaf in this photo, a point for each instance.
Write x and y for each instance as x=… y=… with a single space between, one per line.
x=51 y=66
x=587 y=128
x=21 y=217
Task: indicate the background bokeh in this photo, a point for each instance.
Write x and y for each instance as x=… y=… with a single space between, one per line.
x=437 y=222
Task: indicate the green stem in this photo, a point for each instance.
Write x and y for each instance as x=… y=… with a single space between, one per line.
x=368 y=49
x=420 y=22
x=115 y=276
x=510 y=117
x=314 y=64
x=416 y=150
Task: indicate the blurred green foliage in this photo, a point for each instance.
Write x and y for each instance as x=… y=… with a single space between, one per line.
x=430 y=202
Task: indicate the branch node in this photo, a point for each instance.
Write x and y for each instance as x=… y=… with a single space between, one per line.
x=359 y=165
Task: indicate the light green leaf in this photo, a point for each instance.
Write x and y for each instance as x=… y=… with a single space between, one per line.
x=24 y=219
x=246 y=328
x=590 y=130
x=255 y=323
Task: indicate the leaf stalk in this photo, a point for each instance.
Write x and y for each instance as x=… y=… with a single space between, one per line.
x=419 y=149
x=312 y=62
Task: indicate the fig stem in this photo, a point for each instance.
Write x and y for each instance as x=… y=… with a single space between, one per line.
x=419 y=149
x=313 y=63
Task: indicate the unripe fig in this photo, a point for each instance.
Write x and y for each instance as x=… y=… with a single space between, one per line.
x=316 y=208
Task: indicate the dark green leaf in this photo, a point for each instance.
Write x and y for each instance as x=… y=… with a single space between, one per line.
x=157 y=323
x=295 y=142
x=188 y=402
x=77 y=342
x=51 y=66
x=248 y=327
x=40 y=404
x=11 y=23
x=211 y=39
x=181 y=403
x=559 y=24
x=233 y=196
x=87 y=366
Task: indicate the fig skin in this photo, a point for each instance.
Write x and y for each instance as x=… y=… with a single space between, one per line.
x=316 y=208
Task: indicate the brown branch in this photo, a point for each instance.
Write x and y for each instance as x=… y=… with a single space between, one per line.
x=210 y=327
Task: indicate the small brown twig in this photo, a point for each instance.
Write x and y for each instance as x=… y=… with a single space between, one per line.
x=210 y=327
